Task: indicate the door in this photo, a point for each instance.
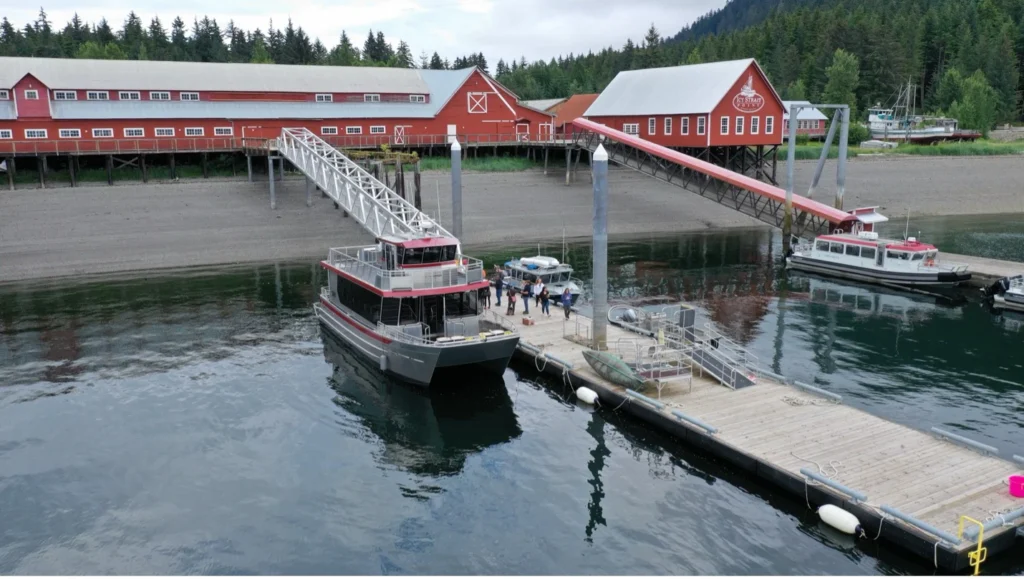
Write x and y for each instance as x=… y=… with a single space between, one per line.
x=452 y=130
x=544 y=131
x=399 y=135
x=523 y=131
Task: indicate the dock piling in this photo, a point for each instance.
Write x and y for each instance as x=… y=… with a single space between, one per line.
x=309 y=192
x=273 y=194
x=142 y=165
x=42 y=171
x=173 y=173
x=545 y=160
x=10 y=173
x=599 y=173
x=837 y=120
x=248 y=165
x=202 y=161
x=417 y=200
x=456 y=189
x=110 y=169
x=568 y=164
x=844 y=135
x=71 y=171
x=787 y=217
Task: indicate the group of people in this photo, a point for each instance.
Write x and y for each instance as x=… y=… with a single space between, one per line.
x=532 y=289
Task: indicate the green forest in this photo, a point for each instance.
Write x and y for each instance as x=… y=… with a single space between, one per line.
x=964 y=56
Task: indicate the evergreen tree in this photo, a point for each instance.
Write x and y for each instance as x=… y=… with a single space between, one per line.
x=157 y=39
x=843 y=77
x=796 y=91
x=344 y=54
x=260 y=55
x=179 y=49
x=436 y=63
x=370 y=50
x=403 y=56
x=384 y=51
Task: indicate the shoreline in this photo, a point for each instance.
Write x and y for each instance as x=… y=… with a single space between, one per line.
x=66 y=232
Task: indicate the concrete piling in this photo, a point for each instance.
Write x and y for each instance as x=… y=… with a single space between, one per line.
x=71 y=171
x=787 y=217
x=456 y=189
x=836 y=121
x=844 y=135
x=599 y=171
x=273 y=194
x=309 y=192
x=110 y=169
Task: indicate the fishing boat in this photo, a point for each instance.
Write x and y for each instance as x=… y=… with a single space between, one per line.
x=554 y=274
x=864 y=256
x=900 y=123
x=1007 y=293
x=614 y=369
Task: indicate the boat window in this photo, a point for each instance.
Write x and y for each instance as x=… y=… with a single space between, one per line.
x=360 y=300
x=432 y=254
x=853 y=250
x=836 y=247
x=932 y=254
x=867 y=252
x=896 y=255
x=412 y=256
x=918 y=256
x=463 y=304
x=821 y=246
x=545 y=279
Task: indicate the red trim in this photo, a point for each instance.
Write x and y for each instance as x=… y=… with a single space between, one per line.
x=435 y=264
x=408 y=293
x=354 y=323
x=914 y=247
x=896 y=246
x=853 y=241
x=426 y=242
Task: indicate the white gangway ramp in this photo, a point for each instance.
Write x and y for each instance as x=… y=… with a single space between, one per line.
x=375 y=206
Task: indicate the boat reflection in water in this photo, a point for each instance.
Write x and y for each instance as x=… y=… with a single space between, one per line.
x=873 y=300
x=425 y=431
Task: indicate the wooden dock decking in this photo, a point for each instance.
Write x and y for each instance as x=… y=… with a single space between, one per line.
x=777 y=426
x=985 y=271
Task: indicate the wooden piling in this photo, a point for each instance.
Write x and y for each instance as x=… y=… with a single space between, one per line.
x=142 y=165
x=71 y=171
x=418 y=201
x=202 y=161
x=41 y=164
x=10 y=173
x=110 y=169
x=173 y=173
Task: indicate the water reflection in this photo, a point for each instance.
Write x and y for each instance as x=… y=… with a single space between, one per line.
x=595 y=465
x=424 y=431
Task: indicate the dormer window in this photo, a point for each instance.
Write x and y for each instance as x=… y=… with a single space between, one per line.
x=324 y=98
x=32 y=95
x=97 y=95
x=65 y=95
x=417 y=98
x=5 y=95
x=371 y=98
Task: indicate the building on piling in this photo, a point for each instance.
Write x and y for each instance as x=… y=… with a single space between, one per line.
x=810 y=122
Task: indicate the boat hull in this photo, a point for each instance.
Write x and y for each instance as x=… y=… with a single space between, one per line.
x=1009 y=301
x=416 y=363
x=863 y=274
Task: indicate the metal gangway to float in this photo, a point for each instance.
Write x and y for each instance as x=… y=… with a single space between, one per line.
x=736 y=191
x=376 y=207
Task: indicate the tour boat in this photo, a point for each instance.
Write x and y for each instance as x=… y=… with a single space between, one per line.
x=413 y=306
x=863 y=256
x=555 y=275
x=1008 y=293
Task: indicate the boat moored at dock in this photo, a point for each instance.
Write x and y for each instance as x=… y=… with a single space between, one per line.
x=557 y=276
x=1007 y=293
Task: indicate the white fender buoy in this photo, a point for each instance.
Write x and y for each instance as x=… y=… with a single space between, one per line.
x=839 y=519
x=586 y=395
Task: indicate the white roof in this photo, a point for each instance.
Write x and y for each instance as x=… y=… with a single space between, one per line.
x=675 y=90
x=84 y=74
x=803 y=114
x=543 y=104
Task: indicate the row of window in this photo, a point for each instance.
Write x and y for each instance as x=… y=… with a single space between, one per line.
x=807 y=124
x=134 y=95
x=684 y=126
x=851 y=249
x=374 y=130
x=755 y=125
x=131 y=133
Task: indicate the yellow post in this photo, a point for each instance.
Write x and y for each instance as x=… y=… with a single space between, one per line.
x=977 y=556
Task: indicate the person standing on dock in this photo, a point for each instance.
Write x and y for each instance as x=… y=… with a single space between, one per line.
x=537 y=288
x=499 y=281
x=545 y=301
x=566 y=302
x=511 y=311
x=527 y=290
x=485 y=298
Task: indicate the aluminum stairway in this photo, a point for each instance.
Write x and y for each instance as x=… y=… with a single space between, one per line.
x=375 y=206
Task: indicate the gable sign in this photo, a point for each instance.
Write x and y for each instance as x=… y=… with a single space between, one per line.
x=748 y=101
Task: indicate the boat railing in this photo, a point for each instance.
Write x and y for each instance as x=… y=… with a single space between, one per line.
x=353 y=260
x=446 y=340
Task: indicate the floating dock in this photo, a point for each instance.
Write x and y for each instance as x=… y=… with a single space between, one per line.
x=985 y=271
x=906 y=487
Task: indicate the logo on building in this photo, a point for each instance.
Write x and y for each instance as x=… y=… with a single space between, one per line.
x=748 y=101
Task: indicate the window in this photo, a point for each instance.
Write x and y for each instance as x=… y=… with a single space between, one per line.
x=129 y=95
x=896 y=255
x=739 y=125
x=477 y=102
x=324 y=98
x=164 y=132
x=31 y=95
x=6 y=134
x=631 y=128
x=417 y=98
x=97 y=95
x=193 y=131
x=159 y=96
x=4 y=95
x=918 y=256
x=853 y=250
x=371 y=98
x=35 y=133
x=328 y=130
x=102 y=133
x=377 y=130
x=188 y=96
x=684 y=125
x=70 y=133
x=725 y=126
x=835 y=247
x=668 y=125
x=223 y=131
x=700 y=125
x=769 y=125
x=135 y=132
x=755 y=125
x=652 y=123
x=65 y=95
x=353 y=130
x=867 y=252
x=821 y=246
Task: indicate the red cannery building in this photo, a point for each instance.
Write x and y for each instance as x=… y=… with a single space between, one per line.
x=70 y=106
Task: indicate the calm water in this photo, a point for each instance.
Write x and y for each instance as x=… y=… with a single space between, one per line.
x=199 y=424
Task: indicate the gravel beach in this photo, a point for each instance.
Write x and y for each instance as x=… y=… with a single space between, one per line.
x=99 y=229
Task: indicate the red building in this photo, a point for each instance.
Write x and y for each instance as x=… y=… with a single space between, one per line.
x=108 y=106
x=810 y=122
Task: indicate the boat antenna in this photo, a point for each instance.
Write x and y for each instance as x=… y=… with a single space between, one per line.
x=906 y=232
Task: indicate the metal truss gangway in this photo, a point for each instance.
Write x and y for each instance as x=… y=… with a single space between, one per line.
x=739 y=192
x=376 y=207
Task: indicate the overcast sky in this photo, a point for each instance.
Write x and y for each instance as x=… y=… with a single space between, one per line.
x=499 y=28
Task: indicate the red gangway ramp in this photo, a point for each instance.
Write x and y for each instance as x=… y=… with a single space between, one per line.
x=747 y=195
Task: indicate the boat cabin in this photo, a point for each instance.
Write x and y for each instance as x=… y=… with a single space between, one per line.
x=397 y=253
x=866 y=250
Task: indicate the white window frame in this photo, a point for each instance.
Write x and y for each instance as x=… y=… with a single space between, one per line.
x=69 y=133
x=6 y=134
x=328 y=130
x=201 y=132
x=668 y=126
x=97 y=95
x=723 y=128
x=378 y=130
x=684 y=125
x=769 y=125
x=31 y=94
x=129 y=95
x=476 y=102
x=192 y=96
x=652 y=125
x=65 y=95
x=740 y=122
x=99 y=133
x=755 y=125
x=371 y=97
x=417 y=98
x=631 y=128
x=702 y=125
x=157 y=131
x=325 y=98
x=35 y=133
x=159 y=95
x=127 y=136
x=353 y=130
x=5 y=95
x=223 y=131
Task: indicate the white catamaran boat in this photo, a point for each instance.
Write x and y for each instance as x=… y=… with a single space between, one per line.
x=1008 y=293
x=555 y=275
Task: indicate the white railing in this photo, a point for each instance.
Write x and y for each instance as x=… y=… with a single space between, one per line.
x=348 y=259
